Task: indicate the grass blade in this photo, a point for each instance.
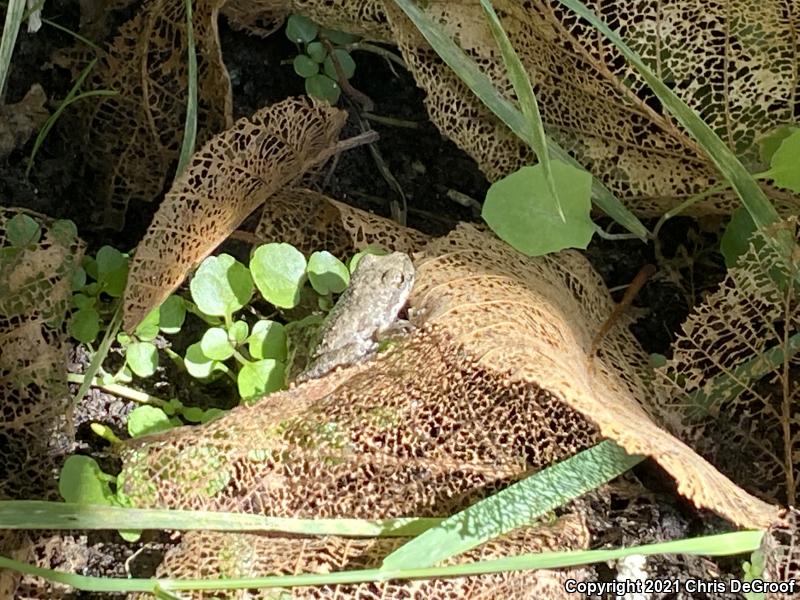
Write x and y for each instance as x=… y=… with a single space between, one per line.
x=466 y=69
x=725 y=544
x=527 y=99
x=40 y=514
x=190 y=126
x=72 y=96
x=517 y=505
x=14 y=16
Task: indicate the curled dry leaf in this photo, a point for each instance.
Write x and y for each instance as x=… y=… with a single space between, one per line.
x=494 y=384
x=311 y=221
x=733 y=383
x=247 y=555
x=231 y=176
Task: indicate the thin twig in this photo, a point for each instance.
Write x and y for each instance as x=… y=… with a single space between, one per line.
x=638 y=282
x=367 y=47
x=366 y=102
x=394 y=122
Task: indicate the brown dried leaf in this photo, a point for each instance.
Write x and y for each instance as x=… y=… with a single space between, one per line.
x=231 y=176
x=311 y=221
x=249 y=555
x=134 y=137
x=35 y=292
x=494 y=384
x=743 y=420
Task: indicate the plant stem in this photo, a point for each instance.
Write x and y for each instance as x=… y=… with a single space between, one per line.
x=120 y=390
x=718 y=187
x=367 y=47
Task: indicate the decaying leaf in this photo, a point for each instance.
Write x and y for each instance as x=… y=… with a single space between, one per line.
x=231 y=176
x=732 y=62
x=780 y=548
x=734 y=380
x=311 y=221
x=247 y=555
x=35 y=290
x=134 y=137
x=21 y=120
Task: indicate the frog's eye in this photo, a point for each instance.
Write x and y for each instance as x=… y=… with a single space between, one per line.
x=393 y=277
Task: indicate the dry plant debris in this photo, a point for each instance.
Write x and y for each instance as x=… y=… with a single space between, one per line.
x=248 y=555
x=21 y=120
x=35 y=291
x=734 y=381
x=227 y=179
x=733 y=62
x=133 y=138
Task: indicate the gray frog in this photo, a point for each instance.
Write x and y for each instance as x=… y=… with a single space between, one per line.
x=378 y=290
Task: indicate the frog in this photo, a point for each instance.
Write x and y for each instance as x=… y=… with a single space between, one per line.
x=367 y=310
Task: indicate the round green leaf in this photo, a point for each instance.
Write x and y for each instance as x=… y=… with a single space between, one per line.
x=345 y=61
x=90 y=265
x=83 y=301
x=198 y=415
x=221 y=286
x=148 y=329
x=22 y=231
x=520 y=209
x=338 y=38
x=324 y=88
x=123 y=339
x=268 y=340
x=215 y=344
x=305 y=66
x=83 y=481
x=327 y=274
x=64 y=231
x=279 y=271
x=112 y=270
x=316 y=52
x=172 y=314
x=198 y=364
x=785 y=163
x=84 y=325
x=78 y=279
x=259 y=378
x=142 y=358
x=300 y=29
x=238 y=332
x=145 y=420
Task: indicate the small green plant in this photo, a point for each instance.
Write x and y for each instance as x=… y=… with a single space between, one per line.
x=314 y=63
x=97 y=289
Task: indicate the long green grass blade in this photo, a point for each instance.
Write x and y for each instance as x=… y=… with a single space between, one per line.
x=190 y=125
x=14 y=17
x=72 y=96
x=759 y=207
x=466 y=69
x=517 y=505
x=527 y=99
x=725 y=544
x=39 y=514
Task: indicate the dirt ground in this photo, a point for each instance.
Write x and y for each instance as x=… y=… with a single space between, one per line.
x=428 y=168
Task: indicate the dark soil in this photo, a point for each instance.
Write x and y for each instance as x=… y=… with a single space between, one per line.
x=427 y=166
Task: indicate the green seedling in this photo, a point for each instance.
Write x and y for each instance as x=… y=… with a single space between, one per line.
x=83 y=481
x=314 y=62
x=254 y=355
x=97 y=289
